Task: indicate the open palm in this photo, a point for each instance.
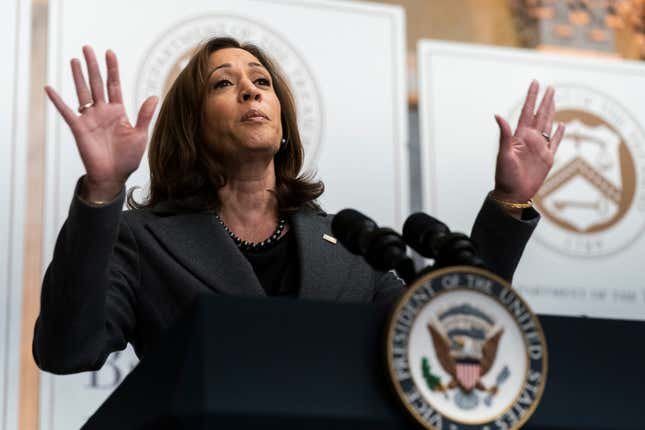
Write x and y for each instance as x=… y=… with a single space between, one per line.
x=526 y=156
x=109 y=146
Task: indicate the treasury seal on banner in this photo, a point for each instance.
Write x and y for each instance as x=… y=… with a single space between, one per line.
x=170 y=53
x=465 y=351
x=593 y=201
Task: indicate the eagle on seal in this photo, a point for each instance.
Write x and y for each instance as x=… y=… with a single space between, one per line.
x=465 y=340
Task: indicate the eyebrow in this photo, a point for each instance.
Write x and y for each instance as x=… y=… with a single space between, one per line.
x=225 y=65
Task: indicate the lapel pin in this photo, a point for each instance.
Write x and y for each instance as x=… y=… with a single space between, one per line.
x=330 y=239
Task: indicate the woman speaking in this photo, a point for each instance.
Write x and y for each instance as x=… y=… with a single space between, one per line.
x=228 y=211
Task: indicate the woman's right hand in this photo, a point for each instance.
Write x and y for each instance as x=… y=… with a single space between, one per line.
x=110 y=147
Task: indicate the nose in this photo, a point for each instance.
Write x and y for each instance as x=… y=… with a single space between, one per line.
x=250 y=92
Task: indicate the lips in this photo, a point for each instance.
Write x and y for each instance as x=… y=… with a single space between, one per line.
x=254 y=115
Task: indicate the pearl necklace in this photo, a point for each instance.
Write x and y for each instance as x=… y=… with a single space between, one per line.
x=245 y=245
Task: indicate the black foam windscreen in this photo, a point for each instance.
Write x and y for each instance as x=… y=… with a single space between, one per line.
x=421 y=232
x=351 y=228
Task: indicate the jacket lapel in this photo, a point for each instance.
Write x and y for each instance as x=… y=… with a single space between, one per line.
x=202 y=246
x=322 y=263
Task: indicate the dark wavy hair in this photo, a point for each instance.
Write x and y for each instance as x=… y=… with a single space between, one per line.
x=185 y=174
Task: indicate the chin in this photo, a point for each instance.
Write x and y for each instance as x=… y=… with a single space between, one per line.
x=262 y=142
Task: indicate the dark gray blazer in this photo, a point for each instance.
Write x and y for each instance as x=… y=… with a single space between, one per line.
x=119 y=277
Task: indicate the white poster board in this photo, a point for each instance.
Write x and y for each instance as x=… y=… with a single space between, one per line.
x=14 y=81
x=345 y=62
x=585 y=257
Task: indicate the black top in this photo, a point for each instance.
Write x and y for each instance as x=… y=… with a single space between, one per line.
x=277 y=267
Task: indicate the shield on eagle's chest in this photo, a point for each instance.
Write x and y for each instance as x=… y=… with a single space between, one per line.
x=468 y=374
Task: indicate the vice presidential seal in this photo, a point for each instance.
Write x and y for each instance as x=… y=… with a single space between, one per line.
x=465 y=352
x=170 y=53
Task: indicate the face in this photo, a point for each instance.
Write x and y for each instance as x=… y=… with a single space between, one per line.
x=241 y=116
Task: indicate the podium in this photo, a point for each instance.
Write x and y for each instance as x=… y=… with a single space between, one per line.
x=239 y=363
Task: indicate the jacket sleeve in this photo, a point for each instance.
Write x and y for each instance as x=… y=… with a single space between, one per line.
x=88 y=295
x=501 y=238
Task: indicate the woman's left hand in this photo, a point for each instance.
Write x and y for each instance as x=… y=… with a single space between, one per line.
x=526 y=156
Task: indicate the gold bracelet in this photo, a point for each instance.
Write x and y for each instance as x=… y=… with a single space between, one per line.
x=511 y=205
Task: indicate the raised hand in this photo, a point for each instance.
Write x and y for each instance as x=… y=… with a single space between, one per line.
x=526 y=156
x=110 y=147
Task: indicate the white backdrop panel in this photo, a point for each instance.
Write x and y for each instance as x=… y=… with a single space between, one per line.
x=14 y=80
x=585 y=257
x=345 y=63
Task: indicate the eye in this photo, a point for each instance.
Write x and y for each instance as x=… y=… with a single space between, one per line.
x=263 y=82
x=221 y=84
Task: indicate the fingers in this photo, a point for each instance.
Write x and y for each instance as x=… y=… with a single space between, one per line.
x=146 y=112
x=545 y=111
x=526 y=117
x=96 y=81
x=82 y=91
x=505 y=132
x=68 y=115
x=548 y=127
x=557 y=137
x=113 y=80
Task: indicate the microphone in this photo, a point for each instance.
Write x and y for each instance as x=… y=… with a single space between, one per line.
x=383 y=248
x=424 y=233
x=433 y=239
x=353 y=229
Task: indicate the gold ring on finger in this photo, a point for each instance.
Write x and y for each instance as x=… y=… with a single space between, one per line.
x=82 y=108
x=546 y=136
